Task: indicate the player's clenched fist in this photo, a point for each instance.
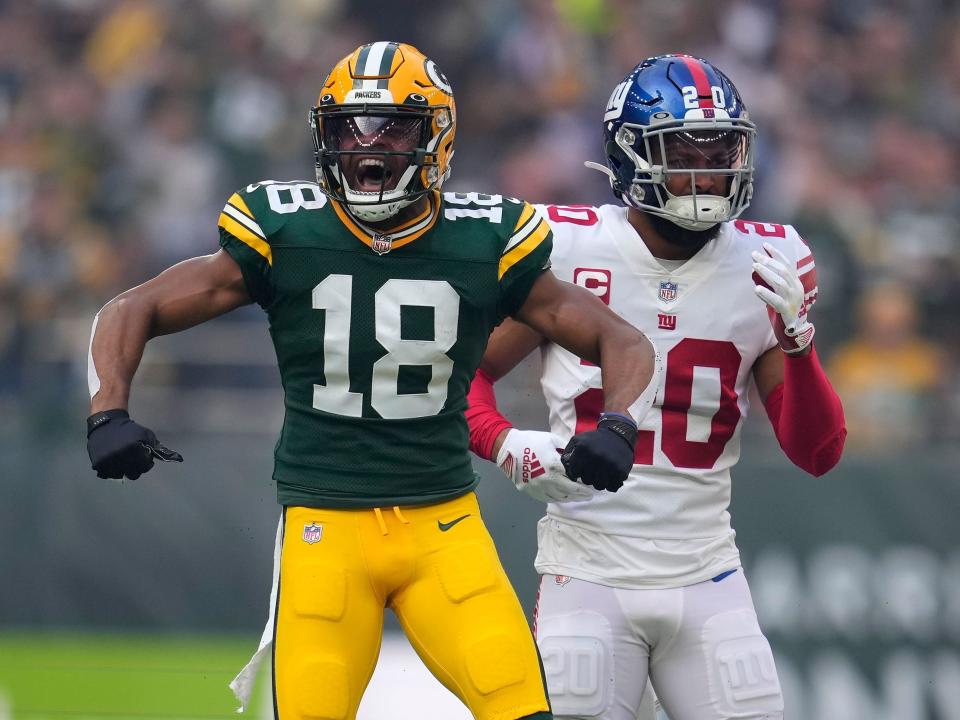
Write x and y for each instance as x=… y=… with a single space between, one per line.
x=603 y=457
x=119 y=447
x=532 y=460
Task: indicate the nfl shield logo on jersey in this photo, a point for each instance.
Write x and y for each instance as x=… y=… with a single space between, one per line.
x=312 y=533
x=668 y=291
x=382 y=244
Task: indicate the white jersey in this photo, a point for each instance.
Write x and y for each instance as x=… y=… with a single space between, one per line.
x=668 y=526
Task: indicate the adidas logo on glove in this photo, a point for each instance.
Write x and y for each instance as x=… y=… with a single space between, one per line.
x=531 y=467
x=531 y=459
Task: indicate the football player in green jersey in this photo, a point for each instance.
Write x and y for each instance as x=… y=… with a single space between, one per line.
x=380 y=294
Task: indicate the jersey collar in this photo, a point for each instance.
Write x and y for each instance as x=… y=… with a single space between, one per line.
x=642 y=261
x=396 y=237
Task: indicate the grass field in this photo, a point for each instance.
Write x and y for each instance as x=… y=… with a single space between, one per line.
x=113 y=677
x=164 y=677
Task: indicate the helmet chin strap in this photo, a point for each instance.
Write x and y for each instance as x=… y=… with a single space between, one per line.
x=374 y=213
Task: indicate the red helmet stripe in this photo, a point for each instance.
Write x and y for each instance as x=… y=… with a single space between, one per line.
x=700 y=80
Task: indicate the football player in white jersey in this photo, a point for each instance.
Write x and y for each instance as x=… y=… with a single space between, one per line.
x=644 y=580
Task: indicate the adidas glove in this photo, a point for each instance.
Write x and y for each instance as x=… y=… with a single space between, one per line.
x=532 y=460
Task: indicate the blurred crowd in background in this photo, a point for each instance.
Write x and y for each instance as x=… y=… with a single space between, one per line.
x=125 y=124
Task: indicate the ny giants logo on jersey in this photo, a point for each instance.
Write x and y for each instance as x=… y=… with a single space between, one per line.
x=312 y=533
x=596 y=280
x=665 y=321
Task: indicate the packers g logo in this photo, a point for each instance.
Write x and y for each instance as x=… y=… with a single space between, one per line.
x=437 y=77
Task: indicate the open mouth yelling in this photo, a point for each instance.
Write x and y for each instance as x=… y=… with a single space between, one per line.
x=372 y=175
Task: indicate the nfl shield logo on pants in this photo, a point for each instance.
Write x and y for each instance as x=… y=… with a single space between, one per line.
x=312 y=533
x=381 y=244
x=668 y=291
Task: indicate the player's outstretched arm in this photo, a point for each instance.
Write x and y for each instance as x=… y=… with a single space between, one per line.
x=575 y=319
x=182 y=296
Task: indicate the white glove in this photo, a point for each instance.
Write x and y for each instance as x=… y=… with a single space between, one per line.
x=532 y=460
x=778 y=284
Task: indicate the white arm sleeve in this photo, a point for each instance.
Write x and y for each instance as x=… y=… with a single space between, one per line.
x=93 y=380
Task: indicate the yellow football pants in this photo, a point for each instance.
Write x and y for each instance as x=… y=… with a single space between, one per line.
x=437 y=568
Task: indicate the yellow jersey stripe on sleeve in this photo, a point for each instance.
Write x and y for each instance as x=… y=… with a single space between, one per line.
x=521 y=232
x=523 y=249
x=249 y=224
x=246 y=236
x=524 y=216
x=239 y=203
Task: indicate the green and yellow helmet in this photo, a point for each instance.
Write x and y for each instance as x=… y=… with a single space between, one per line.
x=383 y=129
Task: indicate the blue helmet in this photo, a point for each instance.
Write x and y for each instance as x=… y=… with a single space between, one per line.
x=677 y=117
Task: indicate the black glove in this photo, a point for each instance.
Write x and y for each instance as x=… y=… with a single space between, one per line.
x=602 y=457
x=119 y=448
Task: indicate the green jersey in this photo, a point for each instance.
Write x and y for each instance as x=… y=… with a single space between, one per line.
x=378 y=337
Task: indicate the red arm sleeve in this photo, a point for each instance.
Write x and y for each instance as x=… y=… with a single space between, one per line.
x=485 y=421
x=807 y=415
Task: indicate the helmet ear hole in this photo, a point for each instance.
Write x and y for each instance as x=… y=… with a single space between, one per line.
x=614 y=158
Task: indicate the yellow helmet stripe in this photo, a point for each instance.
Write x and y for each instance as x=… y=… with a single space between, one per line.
x=540 y=231
x=246 y=236
x=373 y=65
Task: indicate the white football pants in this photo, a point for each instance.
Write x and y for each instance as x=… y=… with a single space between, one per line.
x=700 y=645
